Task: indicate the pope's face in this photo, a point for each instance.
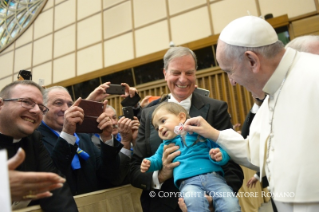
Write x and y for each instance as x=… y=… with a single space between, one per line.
x=17 y=121
x=237 y=71
x=181 y=77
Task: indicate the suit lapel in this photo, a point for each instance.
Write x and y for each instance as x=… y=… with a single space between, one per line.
x=198 y=108
x=155 y=140
x=48 y=136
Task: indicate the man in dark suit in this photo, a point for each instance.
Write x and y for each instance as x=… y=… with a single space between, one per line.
x=21 y=111
x=84 y=173
x=180 y=74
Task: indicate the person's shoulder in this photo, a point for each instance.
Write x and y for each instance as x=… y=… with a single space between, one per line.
x=207 y=99
x=35 y=136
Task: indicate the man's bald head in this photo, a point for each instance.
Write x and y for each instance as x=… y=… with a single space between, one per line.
x=307 y=43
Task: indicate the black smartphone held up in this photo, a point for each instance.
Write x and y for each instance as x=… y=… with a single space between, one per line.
x=24 y=75
x=115 y=89
x=128 y=101
x=128 y=112
x=202 y=91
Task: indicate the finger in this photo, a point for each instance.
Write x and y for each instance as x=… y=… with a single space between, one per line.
x=209 y=198
x=175 y=164
x=104 y=123
x=169 y=150
x=16 y=160
x=171 y=157
x=44 y=195
x=77 y=102
x=40 y=177
x=105 y=105
x=182 y=204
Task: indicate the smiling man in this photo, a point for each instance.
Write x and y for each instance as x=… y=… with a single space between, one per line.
x=86 y=167
x=21 y=111
x=180 y=74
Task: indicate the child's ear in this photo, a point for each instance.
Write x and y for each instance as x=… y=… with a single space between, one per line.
x=182 y=117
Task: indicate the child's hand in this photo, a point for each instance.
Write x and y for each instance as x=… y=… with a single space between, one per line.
x=215 y=154
x=145 y=165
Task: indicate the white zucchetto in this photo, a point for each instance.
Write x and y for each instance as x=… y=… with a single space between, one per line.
x=249 y=31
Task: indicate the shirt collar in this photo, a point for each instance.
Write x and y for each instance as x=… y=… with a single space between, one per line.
x=186 y=103
x=280 y=73
x=14 y=140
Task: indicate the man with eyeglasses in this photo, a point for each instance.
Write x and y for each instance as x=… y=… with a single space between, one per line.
x=86 y=168
x=21 y=111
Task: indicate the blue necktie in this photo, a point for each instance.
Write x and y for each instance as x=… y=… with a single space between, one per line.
x=75 y=161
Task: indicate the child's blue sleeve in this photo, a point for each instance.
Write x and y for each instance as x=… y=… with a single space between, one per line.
x=225 y=155
x=156 y=159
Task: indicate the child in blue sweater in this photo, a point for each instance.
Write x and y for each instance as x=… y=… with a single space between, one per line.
x=198 y=173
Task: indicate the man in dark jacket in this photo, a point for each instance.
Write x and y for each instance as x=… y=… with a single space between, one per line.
x=21 y=111
x=160 y=193
x=86 y=167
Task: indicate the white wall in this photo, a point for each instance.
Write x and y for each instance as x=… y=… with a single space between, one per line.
x=75 y=37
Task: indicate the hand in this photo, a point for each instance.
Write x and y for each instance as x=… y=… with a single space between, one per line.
x=135 y=126
x=170 y=152
x=145 y=165
x=183 y=206
x=252 y=182
x=99 y=93
x=124 y=126
x=215 y=154
x=30 y=185
x=72 y=116
x=105 y=124
x=129 y=91
x=144 y=101
x=128 y=129
x=200 y=126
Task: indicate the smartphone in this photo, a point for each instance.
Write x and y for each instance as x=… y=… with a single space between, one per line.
x=24 y=75
x=128 y=101
x=115 y=89
x=92 y=110
x=128 y=112
x=202 y=91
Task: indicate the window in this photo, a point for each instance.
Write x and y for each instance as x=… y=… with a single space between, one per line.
x=83 y=89
x=149 y=72
x=205 y=58
x=125 y=76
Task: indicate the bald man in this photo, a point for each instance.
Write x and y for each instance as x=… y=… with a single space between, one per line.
x=307 y=43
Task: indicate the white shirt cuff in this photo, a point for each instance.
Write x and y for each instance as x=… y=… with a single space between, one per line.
x=255 y=108
x=108 y=142
x=156 y=183
x=126 y=152
x=257 y=177
x=69 y=138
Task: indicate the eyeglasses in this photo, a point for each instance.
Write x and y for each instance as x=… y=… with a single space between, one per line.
x=29 y=104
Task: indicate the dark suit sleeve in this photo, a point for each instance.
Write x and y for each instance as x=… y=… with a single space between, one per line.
x=246 y=125
x=109 y=162
x=221 y=120
x=62 y=199
x=137 y=178
x=62 y=154
x=124 y=171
